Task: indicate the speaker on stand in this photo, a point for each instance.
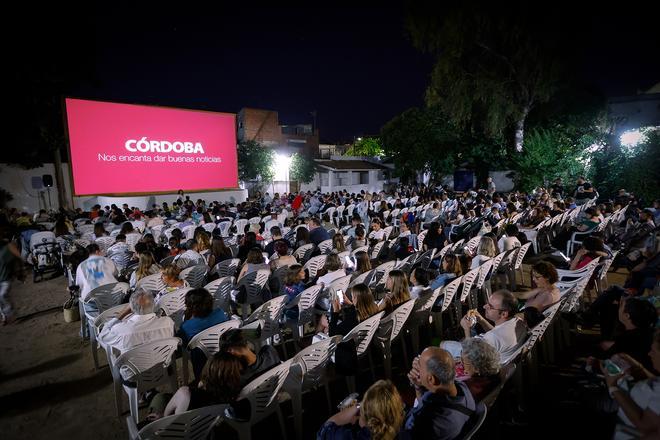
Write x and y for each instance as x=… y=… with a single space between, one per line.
x=48 y=183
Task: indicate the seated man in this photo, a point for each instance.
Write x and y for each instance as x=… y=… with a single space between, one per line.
x=442 y=405
x=136 y=325
x=316 y=232
x=190 y=257
x=95 y=271
x=506 y=335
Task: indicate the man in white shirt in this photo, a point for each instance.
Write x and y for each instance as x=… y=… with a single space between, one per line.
x=136 y=325
x=95 y=271
x=190 y=257
x=508 y=333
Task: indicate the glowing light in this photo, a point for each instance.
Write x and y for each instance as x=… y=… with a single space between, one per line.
x=281 y=166
x=632 y=138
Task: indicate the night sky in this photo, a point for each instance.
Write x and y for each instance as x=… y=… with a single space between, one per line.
x=354 y=66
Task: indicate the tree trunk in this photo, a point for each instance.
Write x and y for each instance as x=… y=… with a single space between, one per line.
x=520 y=129
x=59 y=179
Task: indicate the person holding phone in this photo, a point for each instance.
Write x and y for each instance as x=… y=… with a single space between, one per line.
x=293 y=286
x=356 y=307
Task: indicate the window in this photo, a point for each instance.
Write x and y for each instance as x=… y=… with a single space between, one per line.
x=343 y=179
x=324 y=179
x=364 y=177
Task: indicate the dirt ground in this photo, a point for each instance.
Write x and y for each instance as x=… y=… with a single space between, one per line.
x=48 y=384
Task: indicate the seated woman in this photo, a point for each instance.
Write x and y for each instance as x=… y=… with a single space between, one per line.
x=338 y=243
x=363 y=264
x=451 y=268
x=219 y=252
x=359 y=239
x=480 y=367
x=253 y=364
x=546 y=293
x=485 y=251
x=378 y=417
x=397 y=292
x=146 y=266
x=592 y=248
x=357 y=307
x=170 y=277
x=249 y=242
x=293 y=286
x=99 y=231
x=199 y=315
x=302 y=237
x=254 y=262
x=333 y=269
x=434 y=238
x=283 y=257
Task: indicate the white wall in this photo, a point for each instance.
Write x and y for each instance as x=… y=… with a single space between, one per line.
x=18 y=182
x=502 y=182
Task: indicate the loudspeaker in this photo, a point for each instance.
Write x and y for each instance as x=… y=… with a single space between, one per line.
x=48 y=180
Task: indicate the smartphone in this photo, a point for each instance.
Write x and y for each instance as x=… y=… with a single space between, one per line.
x=611 y=368
x=340 y=295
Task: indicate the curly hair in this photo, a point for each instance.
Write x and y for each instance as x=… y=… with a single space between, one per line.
x=483 y=357
x=382 y=409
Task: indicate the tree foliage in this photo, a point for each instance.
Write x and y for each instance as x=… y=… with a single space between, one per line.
x=492 y=69
x=302 y=169
x=255 y=162
x=368 y=146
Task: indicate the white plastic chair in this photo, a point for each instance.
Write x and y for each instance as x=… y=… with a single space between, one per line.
x=261 y=394
x=221 y=291
x=304 y=252
x=359 y=249
x=468 y=282
x=308 y=371
x=325 y=247
x=227 y=268
x=364 y=278
x=254 y=284
x=145 y=367
x=389 y=329
x=104 y=243
x=362 y=334
x=208 y=341
x=269 y=314
x=313 y=265
x=194 y=275
x=240 y=226
x=516 y=265
x=305 y=302
x=151 y=283
x=190 y=425
x=378 y=247
x=96 y=325
x=224 y=228
x=173 y=302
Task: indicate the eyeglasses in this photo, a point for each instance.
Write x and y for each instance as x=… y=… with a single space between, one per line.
x=489 y=306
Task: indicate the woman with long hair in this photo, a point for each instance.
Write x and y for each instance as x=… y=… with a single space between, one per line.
x=485 y=251
x=451 y=268
x=357 y=306
x=253 y=262
x=398 y=293
x=363 y=264
x=338 y=243
x=293 y=285
x=146 y=266
x=219 y=252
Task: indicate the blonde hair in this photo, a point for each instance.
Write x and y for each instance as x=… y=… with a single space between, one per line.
x=486 y=247
x=365 y=305
x=203 y=242
x=382 y=409
x=144 y=266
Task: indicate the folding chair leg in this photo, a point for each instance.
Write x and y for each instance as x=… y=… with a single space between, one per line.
x=118 y=398
x=133 y=403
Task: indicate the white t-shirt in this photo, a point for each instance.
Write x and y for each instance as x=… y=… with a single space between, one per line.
x=646 y=394
x=94 y=272
x=507 y=243
x=330 y=277
x=378 y=235
x=506 y=338
x=136 y=330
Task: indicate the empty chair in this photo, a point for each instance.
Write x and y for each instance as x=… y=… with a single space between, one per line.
x=190 y=425
x=253 y=283
x=269 y=314
x=261 y=394
x=194 y=275
x=240 y=226
x=362 y=334
x=389 y=329
x=227 y=268
x=144 y=368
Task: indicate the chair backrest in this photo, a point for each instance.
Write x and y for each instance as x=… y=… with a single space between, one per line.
x=472 y=244
x=221 y=291
x=382 y=272
x=190 y=425
x=340 y=284
x=132 y=240
x=209 y=340
x=303 y=253
x=209 y=227
x=107 y=296
x=398 y=319
x=107 y=315
x=607 y=263
x=359 y=249
x=269 y=314
x=151 y=283
x=449 y=291
x=172 y=302
x=224 y=228
x=364 y=332
x=468 y=281
x=425 y=259
x=376 y=250
x=306 y=303
x=537 y=332
x=254 y=283
x=325 y=246
x=484 y=270
x=314 y=264
x=227 y=268
x=474 y=423
x=240 y=226
x=520 y=256
x=313 y=359
x=195 y=275
x=364 y=278
x=104 y=243
x=263 y=390
x=141 y=363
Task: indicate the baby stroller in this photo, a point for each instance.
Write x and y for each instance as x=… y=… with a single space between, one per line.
x=45 y=254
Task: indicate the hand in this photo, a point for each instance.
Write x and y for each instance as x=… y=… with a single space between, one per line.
x=349 y=415
x=611 y=381
x=413 y=375
x=465 y=323
x=335 y=305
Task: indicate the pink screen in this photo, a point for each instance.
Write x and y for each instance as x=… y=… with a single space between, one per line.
x=123 y=148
